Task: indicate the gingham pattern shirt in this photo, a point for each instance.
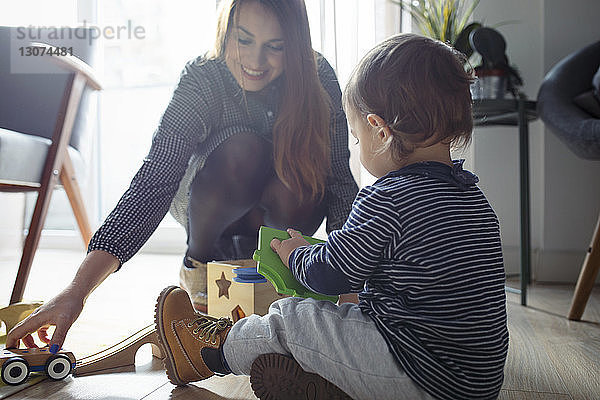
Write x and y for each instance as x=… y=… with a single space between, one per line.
x=422 y=246
x=208 y=106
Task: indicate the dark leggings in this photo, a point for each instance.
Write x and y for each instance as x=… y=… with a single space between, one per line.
x=235 y=193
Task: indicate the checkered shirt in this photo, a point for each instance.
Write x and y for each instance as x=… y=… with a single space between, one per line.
x=208 y=107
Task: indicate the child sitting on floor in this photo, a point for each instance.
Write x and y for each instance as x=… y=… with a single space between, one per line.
x=421 y=247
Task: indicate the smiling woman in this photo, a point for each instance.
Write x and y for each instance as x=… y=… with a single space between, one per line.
x=272 y=149
x=139 y=85
x=254 y=134
x=252 y=42
x=226 y=156
x=254 y=49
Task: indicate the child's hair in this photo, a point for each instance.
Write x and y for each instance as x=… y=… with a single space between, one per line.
x=419 y=87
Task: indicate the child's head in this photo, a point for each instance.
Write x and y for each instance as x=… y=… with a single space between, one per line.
x=415 y=86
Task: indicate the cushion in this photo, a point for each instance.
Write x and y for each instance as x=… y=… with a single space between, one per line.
x=589 y=103
x=596 y=84
x=22 y=158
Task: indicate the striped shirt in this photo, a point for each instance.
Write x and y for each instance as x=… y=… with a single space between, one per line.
x=422 y=246
x=208 y=107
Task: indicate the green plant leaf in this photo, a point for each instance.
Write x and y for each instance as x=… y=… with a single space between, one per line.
x=440 y=19
x=467 y=14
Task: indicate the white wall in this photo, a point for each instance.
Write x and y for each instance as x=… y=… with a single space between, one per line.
x=565 y=190
x=11 y=225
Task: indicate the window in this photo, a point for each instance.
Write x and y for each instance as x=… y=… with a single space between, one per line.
x=139 y=77
x=139 y=74
x=370 y=21
x=50 y=14
x=39 y=13
x=139 y=86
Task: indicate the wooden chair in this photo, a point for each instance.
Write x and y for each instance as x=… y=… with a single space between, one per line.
x=569 y=108
x=30 y=162
x=587 y=277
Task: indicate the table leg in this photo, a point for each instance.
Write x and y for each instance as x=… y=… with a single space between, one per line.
x=524 y=198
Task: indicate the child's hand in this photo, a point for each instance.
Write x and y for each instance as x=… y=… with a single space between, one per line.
x=284 y=248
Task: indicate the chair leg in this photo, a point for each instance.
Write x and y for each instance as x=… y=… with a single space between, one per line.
x=69 y=182
x=587 y=277
x=32 y=240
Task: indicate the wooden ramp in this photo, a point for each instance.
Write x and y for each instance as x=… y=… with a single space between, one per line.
x=121 y=354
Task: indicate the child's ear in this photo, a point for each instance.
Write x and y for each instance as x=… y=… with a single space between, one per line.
x=383 y=130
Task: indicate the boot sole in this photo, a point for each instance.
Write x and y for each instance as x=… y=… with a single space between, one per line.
x=168 y=361
x=278 y=377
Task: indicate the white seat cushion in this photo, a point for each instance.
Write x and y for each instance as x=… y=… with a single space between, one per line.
x=22 y=158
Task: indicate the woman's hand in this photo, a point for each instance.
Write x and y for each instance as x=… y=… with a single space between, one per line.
x=284 y=248
x=61 y=311
x=64 y=309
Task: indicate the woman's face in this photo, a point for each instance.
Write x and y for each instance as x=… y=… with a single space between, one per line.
x=254 y=48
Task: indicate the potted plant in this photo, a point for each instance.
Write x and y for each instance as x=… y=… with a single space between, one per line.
x=448 y=21
x=445 y=20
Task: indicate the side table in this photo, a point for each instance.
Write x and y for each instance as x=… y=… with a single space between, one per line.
x=514 y=112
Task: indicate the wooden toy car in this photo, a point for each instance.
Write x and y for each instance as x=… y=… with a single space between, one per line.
x=18 y=363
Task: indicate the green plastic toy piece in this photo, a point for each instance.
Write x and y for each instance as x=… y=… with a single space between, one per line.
x=271 y=267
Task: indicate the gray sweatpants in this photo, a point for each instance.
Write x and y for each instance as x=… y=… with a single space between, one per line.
x=339 y=343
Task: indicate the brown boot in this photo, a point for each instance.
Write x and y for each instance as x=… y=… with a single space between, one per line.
x=278 y=377
x=184 y=334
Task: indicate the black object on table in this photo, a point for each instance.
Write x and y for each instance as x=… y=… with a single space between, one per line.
x=514 y=112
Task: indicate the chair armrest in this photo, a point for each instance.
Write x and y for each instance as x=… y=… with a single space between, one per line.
x=571 y=76
x=71 y=63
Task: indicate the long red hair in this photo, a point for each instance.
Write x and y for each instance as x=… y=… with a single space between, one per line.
x=301 y=143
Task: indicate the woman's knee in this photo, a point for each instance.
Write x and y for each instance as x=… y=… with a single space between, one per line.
x=242 y=157
x=240 y=164
x=283 y=210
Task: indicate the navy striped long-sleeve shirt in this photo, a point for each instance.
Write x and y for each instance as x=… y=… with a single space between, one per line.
x=422 y=246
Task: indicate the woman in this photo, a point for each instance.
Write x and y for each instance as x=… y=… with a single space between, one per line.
x=254 y=134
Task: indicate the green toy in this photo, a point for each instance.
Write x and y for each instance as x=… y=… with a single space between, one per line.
x=271 y=267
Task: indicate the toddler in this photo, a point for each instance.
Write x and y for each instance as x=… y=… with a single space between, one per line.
x=421 y=247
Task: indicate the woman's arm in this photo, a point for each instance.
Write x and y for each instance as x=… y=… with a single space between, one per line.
x=63 y=309
x=94 y=269
x=183 y=127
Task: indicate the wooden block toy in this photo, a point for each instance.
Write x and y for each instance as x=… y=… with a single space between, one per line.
x=230 y=297
x=13 y=314
x=18 y=363
x=121 y=354
x=271 y=267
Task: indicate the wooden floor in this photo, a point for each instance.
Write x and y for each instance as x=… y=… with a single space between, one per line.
x=549 y=356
